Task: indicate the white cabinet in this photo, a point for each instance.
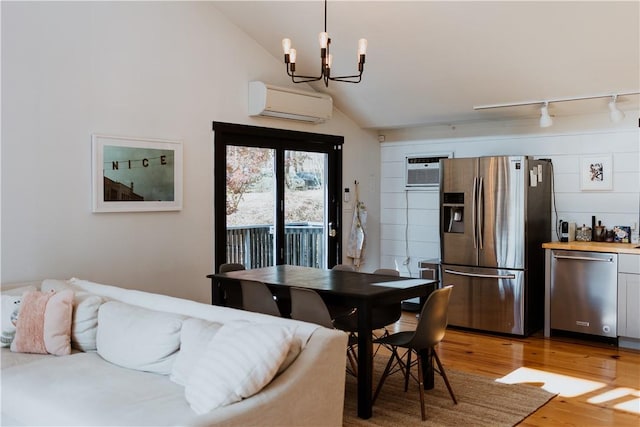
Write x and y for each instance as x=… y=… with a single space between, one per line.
x=629 y=296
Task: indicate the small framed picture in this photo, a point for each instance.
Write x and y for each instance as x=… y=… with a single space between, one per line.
x=622 y=234
x=596 y=172
x=136 y=175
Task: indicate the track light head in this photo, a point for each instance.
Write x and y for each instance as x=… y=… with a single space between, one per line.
x=545 y=118
x=614 y=113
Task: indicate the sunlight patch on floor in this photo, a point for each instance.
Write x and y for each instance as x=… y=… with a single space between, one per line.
x=629 y=406
x=568 y=386
x=611 y=395
x=563 y=385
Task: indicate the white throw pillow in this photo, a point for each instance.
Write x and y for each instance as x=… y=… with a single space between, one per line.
x=238 y=362
x=138 y=338
x=55 y=285
x=194 y=337
x=84 y=326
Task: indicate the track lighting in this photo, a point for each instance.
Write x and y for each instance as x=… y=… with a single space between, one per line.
x=545 y=118
x=614 y=113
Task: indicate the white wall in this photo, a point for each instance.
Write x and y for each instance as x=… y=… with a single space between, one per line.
x=141 y=69
x=619 y=206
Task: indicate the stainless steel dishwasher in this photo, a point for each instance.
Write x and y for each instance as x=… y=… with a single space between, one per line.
x=584 y=292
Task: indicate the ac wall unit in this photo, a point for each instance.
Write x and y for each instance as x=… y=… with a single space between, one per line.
x=285 y=103
x=424 y=171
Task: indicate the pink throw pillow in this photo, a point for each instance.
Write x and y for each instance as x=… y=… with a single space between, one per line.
x=44 y=323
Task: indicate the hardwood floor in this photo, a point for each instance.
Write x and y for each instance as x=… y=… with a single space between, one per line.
x=598 y=383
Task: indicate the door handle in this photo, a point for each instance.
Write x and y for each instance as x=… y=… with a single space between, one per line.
x=332 y=231
x=583 y=258
x=480 y=213
x=484 y=276
x=474 y=204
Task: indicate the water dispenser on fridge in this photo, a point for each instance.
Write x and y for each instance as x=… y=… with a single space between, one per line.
x=453 y=210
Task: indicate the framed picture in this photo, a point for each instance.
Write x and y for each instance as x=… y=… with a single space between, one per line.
x=622 y=234
x=136 y=175
x=596 y=172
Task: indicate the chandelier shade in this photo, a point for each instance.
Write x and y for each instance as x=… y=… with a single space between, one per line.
x=326 y=59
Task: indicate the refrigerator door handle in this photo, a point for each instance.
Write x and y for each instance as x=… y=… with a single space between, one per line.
x=474 y=204
x=480 y=213
x=484 y=276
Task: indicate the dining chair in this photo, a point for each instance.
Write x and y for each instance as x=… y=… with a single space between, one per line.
x=231 y=295
x=257 y=297
x=428 y=333
x=231 y=266
x=381 y=317
x=337 y=310
x=307 y=305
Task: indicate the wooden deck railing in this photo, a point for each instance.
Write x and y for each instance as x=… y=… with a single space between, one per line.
x=252 y=245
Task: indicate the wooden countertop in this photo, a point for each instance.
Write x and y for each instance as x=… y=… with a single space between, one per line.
x=618 y=248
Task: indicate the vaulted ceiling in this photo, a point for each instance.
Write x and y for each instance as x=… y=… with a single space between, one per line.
x=431 y=62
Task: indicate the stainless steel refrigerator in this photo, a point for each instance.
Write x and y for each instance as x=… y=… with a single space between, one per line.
x=495 y=214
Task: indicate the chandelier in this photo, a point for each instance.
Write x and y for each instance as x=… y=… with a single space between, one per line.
x=325 y=59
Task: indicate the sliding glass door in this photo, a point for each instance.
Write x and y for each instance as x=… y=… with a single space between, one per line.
x=250 y=206
x=276 y=197
x=306 y=224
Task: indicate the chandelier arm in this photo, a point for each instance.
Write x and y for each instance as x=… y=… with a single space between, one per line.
x=296 y=78
x=305 y=79
x=348 y=79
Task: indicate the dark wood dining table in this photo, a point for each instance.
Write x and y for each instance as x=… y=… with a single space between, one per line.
x=362 y=291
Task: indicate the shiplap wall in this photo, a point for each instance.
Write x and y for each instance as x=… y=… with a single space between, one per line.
x=410 y=218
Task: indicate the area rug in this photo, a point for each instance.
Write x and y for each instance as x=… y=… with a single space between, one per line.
x=481 y=402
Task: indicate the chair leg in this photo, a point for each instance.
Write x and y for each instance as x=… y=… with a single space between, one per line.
x=352 y=361
x=384 y=376
x=444 y=375
x=407 y=372
x=421 y=388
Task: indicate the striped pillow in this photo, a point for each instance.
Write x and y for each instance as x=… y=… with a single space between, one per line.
x=238 y=362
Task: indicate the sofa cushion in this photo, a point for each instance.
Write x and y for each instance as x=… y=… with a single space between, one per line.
x=44 y=323
x=238 y=362
x=138 y=338
x=84 y=323
x=194 y=337
x=84 y=390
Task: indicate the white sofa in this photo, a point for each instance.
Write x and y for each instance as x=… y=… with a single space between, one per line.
x=115 y=385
